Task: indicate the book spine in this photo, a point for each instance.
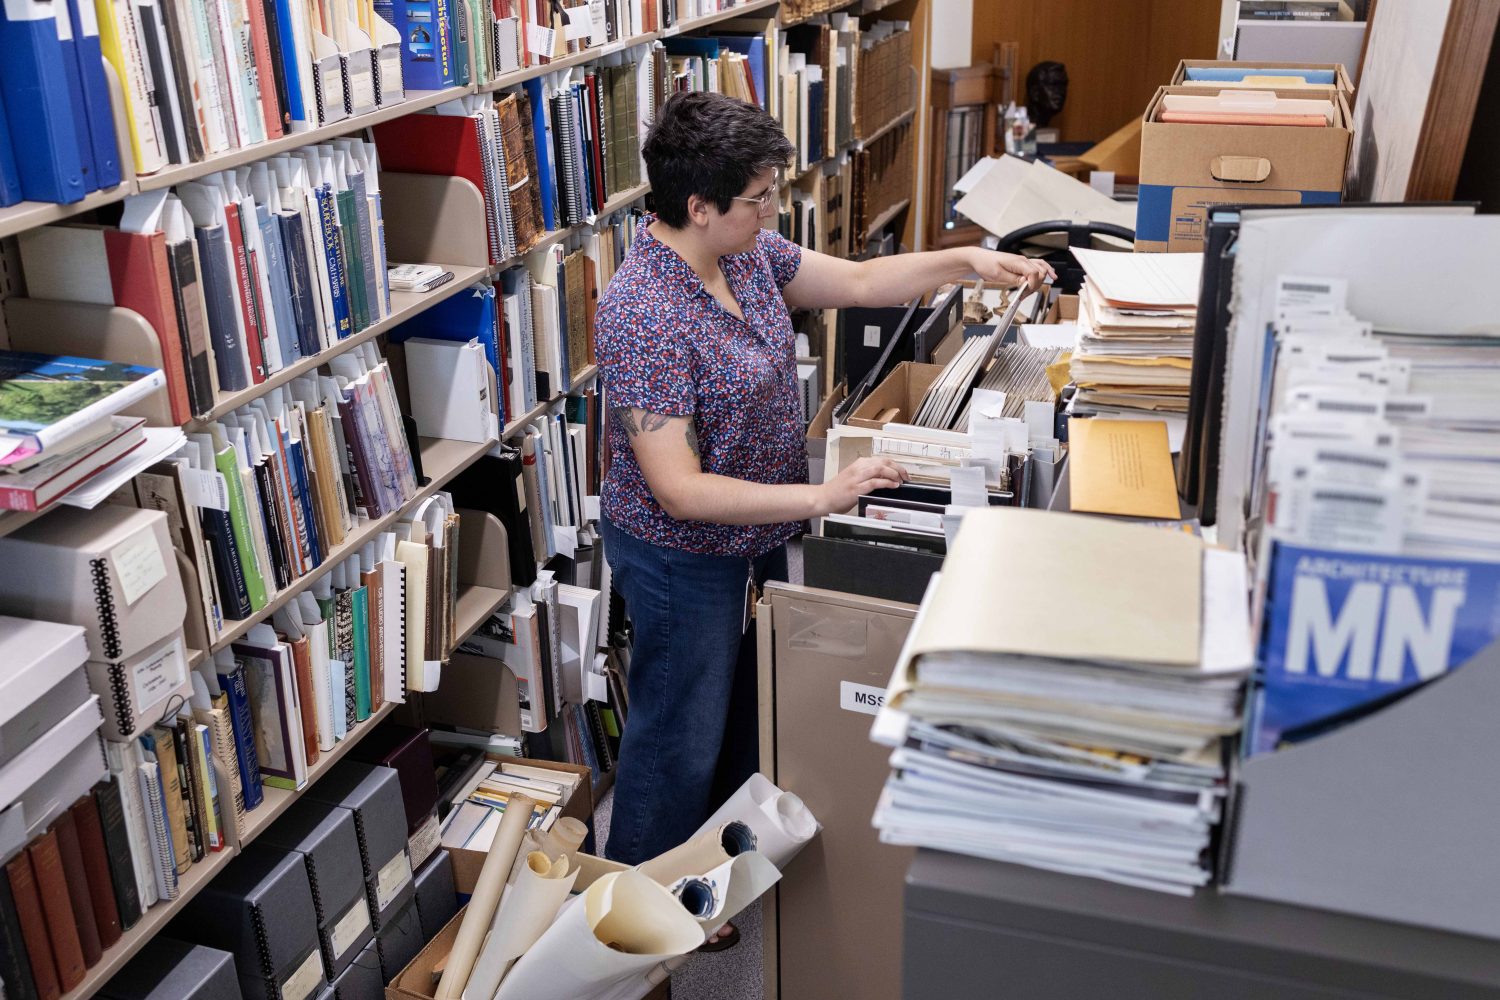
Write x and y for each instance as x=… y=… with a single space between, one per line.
x=239 y=516
x=300 y=282
x=191 y=778
x=244 y=736
x=116 y=836
x=70 y=851
x=160 y=829
x=275 y=98
x=57 y=908
x=213 y=804
x=21 y=880
x=359 y=601
x=245 y=292
x=167 y=761
x=15 y=968
x=337 y=284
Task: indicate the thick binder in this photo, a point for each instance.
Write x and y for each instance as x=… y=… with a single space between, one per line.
x=1391 y=817
x=38 y=104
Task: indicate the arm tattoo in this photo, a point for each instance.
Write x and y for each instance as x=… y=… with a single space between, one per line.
x=692 y=440
x=625 y=416
x=626 y=419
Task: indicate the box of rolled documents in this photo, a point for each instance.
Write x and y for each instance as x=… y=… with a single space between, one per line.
x=898 y=397
x=1236 y=146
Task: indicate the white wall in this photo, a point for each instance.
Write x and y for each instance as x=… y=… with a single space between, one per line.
x=953 y=32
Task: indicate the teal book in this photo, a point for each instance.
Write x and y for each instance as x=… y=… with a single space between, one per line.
x=239 y=519
x=354 y=266
x=361 y=602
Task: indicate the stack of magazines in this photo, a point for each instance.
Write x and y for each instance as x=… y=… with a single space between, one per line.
x=1064 y=697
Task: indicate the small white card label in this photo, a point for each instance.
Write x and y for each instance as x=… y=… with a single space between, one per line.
x=872 y=336
x=159 y=676
x=207 y=489
x=305 y=981
x=860 y=698
x=349 y=927
x=539 y=40
x=392 y=879
x=138 y=565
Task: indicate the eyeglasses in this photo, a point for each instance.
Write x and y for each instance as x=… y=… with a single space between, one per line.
x=764 y=202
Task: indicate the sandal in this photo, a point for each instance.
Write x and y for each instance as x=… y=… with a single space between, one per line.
x=729 y=936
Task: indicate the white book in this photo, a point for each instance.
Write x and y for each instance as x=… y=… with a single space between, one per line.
x=159 y=830
x=145 y=129
x=123 y=760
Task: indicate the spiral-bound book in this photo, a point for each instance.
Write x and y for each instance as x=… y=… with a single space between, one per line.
x=159 y=830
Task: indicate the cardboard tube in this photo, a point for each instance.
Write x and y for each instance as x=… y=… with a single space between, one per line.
x=566 y=837
x=705 y=852
x=486 y=897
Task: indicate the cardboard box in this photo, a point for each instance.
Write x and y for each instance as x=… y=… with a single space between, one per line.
x=1188 y=169
x=1119 y=153
x=373 y=795
x=363 y=979
x=260 y=909
x=902 y=391
x=325 y=837
x=437 y=897
x=167 y=969
x=466 y=864
x=1064 y=309
x=1179 y=75
x=416 y=980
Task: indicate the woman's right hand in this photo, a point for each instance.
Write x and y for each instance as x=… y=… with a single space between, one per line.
x=863 y=475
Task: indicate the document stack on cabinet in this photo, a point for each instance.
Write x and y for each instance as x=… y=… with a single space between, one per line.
x=1064 y=696
x=1134 y=354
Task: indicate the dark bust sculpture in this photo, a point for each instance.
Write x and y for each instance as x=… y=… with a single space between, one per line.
x=1046 y=91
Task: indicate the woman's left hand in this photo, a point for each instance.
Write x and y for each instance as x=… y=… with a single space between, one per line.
x=1010 y=268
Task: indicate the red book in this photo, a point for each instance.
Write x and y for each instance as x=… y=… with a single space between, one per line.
x=96 y=868
x=78 y=888
x=441 y=145
x=265 y=70
x=247 y=291
x=33 y=926
x=62 y=930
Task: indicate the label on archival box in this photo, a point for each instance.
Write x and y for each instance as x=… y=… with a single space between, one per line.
x=860 y=697
x=392 y=879
x=305 y=981
x=349 y=927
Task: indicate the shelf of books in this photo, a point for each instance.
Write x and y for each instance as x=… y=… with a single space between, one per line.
x=417 y=100
x=441 y=461
x=149 y=925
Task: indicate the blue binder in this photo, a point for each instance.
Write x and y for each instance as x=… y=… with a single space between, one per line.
x=73 y=73
x=34 y=83
x=542 y=134
x=103 y=141
x=10 y=179
x=102 y=138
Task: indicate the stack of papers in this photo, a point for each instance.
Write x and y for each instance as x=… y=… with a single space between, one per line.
x=1136 y=314
x=1064 y=696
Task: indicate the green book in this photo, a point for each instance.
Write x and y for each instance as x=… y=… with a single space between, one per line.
x=361 y=602
x=239 y=519
x=354 y=265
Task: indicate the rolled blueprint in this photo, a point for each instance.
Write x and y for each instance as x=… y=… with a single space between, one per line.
x=486 y=897
x=526 y=910
x=708 y=849
x=611 y=935
x=727 y=889
x=781 y=822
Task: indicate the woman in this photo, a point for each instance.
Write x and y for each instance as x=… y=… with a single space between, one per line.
x=708 y=473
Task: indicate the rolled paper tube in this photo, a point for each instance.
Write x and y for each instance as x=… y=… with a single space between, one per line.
x=533 y=843
x=567 y=836
x=705 y=852
x=782 y=823
x=697 y=896
x=486 y=896
x=526 y=910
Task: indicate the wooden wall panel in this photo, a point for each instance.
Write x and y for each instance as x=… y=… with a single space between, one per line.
x=1117 y=51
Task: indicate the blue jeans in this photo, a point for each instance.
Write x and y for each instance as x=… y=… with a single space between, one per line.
x=691 y=736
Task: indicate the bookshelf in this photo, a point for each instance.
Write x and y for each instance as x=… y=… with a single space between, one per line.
x=885 y=217
x=404 y=306
x=152 y=921
x=441 y=461
x=416 y=100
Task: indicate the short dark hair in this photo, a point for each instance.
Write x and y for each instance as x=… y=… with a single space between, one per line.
x=708 y=145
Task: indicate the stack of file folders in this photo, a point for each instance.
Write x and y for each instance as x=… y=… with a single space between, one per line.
x=1069 y=716
x=1136 y=314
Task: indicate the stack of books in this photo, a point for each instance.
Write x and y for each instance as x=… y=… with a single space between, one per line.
x=60 y=426
x=1136 y=314
x=57 y=129
x=570 y=27
x=481 y=801
x=237 y=275
x=1071 y=716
